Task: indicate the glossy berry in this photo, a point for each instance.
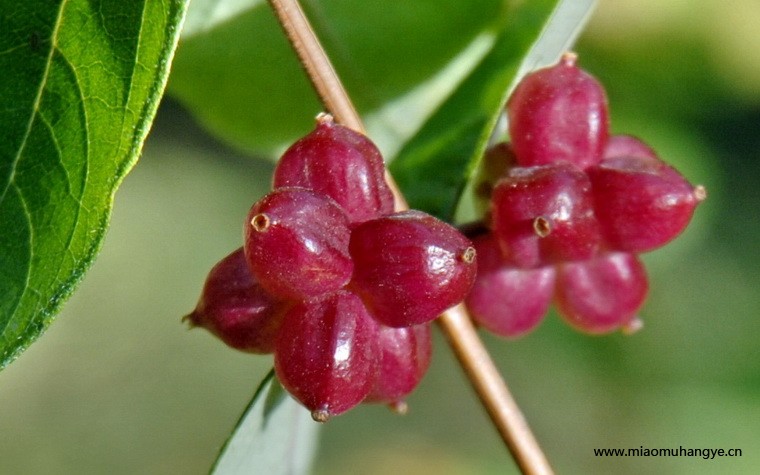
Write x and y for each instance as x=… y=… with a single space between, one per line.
x=236 y=309
x=642 y=203
x=602 y=294
x=507 y=300
x=558 y=114
x=327 y=352
x=409 y=267
x=341 y=163
x=404 y=360
x=627 y=146
x=543 y=215
x=296 y=243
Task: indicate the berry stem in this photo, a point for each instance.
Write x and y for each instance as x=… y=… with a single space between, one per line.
x=493 y=391
x=455 y=322
x=316 y=63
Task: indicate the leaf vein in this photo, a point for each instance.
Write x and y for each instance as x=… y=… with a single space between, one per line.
x=37 y=99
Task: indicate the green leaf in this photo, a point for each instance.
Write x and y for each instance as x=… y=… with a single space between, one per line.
x=238 y=75
x=80 y=86
x=440 y=163
x=275 y=436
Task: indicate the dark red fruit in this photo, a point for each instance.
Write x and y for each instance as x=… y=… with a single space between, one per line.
x=641 y=202
x=496 y=161
x=404 y=359
x=409 y=267
x=628 y=146
x=603 y=294
x=327 y=352
x=296 y=242
x=558 y=114
x=507 y=300
x=543 y=215
x=235 y=308
x=341 y=163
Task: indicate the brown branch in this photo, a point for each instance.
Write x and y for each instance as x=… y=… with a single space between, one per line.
x=318 y=66
x=455 y=323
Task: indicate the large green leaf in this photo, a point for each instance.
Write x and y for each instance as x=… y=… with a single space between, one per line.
x=437 y=166
x=80 y=85
x=238 y=75
x=275 y=436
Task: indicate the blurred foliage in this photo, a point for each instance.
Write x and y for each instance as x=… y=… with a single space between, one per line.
x=117 y=386
x=380 y=49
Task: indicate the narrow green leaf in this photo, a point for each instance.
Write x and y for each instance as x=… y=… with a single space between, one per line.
x=435 y=167
x=238 y=75
x=80 y=85
x=275 y=436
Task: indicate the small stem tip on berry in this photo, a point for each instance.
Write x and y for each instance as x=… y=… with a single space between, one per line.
x=633 y=326
x=700 y=193
x=542 y=226
x=260 y=222
x=320 y=415
x=189 y=319
x=468 y=256
x=569 y=58
x=324 y=118
x=399 y=407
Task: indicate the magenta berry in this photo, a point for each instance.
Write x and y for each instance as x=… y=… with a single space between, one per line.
x=409 y=267
x=507 y=300
x=341 y=163
x=296 y=242
x=627 y=146
x=235 y=308
x=641 y=202
x=543 y=215
x=602 y=294
x=558 y=114
x=327 y=352
x=404 y=359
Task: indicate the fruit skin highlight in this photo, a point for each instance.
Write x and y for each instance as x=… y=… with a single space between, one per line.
x=558 y=114
x=339 y=287
x=507 y=300
x=642 y=203
x=543 y=215
x=602 y=294
x=404 y=359
x=409 y=267
x=327 y=352
x=570 y=209
x=235 y=308
x=342 y=164
x=296 y=243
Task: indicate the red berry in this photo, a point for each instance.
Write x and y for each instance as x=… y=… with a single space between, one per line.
x=341 y=163
x=641 y=202
x=404 y=359
x=629 y=146
x=543 y=215
x=235 y=308
x=327 y=352
x=602 y=294
x=558 y=113
x=507 y=300
x=296 y=242
x=409 y=267
x=496 y=162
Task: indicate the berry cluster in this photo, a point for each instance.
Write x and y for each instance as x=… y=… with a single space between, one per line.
x=570 y=209
x=339 y=287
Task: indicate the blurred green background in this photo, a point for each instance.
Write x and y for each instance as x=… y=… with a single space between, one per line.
x=118 y=385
